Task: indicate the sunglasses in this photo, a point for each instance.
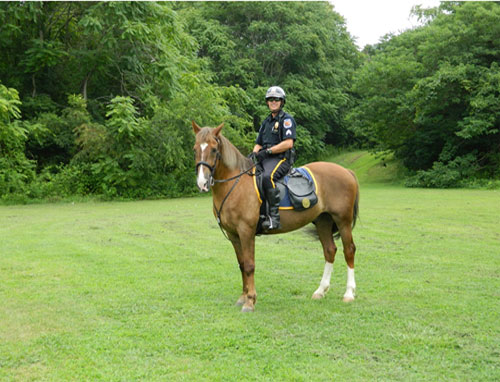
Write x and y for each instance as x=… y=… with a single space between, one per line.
x=273 y=99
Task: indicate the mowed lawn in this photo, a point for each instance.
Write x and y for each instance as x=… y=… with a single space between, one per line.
x=144 y=291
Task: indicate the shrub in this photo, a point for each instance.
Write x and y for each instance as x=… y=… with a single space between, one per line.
x=455 y=173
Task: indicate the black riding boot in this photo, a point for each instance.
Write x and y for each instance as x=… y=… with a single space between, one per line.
x=273 y=220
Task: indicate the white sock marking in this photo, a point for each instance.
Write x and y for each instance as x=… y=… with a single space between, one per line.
x=351 y=285
x=325 y=281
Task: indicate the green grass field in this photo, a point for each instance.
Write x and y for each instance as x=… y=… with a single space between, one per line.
x=144 y=291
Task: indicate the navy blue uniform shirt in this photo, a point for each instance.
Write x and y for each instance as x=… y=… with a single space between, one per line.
x=276 y=129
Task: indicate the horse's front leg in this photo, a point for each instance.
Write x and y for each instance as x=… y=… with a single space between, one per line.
x=235 y=241
x=245 y=252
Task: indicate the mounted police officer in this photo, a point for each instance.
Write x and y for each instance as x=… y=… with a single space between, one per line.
x=274 y=150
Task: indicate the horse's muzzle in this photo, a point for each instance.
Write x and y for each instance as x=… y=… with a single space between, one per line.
x=204 y=179
x=204 y=183
x=203 y=188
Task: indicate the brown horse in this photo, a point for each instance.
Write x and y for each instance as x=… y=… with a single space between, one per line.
x=236 y=205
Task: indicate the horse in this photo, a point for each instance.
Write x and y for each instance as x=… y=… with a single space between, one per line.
x=236 y=206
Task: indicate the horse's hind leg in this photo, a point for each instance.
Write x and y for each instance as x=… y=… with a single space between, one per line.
x=324 y=227
x=349 y=251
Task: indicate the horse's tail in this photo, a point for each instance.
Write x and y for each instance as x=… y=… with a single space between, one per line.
x=356 y=201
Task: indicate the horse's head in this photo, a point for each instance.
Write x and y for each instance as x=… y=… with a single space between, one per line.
x=207 y=154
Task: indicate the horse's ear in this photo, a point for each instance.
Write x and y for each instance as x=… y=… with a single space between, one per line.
x=196 y=128
x=218 y=129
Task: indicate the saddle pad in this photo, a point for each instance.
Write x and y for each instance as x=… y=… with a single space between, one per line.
x=285 y=203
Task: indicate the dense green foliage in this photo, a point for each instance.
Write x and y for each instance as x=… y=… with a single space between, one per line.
x=99 y=96
x=96 y=98
x=303 y=47
x=432 y=95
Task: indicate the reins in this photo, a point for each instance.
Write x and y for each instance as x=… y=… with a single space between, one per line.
x=236 y=176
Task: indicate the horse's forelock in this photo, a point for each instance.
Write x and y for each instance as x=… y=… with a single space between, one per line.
x=204 y=134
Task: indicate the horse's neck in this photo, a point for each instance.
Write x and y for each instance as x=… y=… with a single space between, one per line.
x=221 y=169
x=234 y=194
x=223 y=172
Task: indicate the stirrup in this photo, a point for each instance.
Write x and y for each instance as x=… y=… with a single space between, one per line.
x=267 y=225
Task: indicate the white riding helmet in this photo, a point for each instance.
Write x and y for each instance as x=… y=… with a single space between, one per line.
x=276 y=92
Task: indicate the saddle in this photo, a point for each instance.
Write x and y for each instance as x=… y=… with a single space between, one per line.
x=297 y=192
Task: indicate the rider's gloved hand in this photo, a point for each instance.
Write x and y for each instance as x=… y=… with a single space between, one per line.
x=261 y=155
x=253 y=157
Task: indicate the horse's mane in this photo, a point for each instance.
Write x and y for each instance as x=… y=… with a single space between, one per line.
x=230 y=155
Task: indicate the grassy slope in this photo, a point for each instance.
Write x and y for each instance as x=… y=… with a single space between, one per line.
x=370 y=168
x=144 y=291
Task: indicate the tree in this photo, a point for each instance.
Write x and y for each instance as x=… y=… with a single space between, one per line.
x=431 y=94
x=15 y=169
x=302 y=47
x=140 y=82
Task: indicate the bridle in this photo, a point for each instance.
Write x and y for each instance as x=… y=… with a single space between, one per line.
x=210 y=167
x=213 y=181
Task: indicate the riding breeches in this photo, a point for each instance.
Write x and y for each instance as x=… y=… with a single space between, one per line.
x=274 y=168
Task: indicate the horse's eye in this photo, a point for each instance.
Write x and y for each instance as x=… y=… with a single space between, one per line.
x=214 y=150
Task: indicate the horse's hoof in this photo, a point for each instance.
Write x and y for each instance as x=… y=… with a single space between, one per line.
x=247 y=309
x=240 y=301
x=320 y=292
x=348 y=299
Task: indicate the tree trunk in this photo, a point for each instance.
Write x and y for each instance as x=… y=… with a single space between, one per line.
x=33 y=81
x=85 y=84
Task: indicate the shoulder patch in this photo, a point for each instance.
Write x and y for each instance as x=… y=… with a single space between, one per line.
x=287 y=123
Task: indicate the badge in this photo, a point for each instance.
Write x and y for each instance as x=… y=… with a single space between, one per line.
x=287 y=123
x=306 y=203
x=276 y=125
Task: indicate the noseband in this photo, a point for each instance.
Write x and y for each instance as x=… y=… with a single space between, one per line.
x=210 y=167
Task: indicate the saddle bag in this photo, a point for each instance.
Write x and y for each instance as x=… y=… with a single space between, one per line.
x=301 y=191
